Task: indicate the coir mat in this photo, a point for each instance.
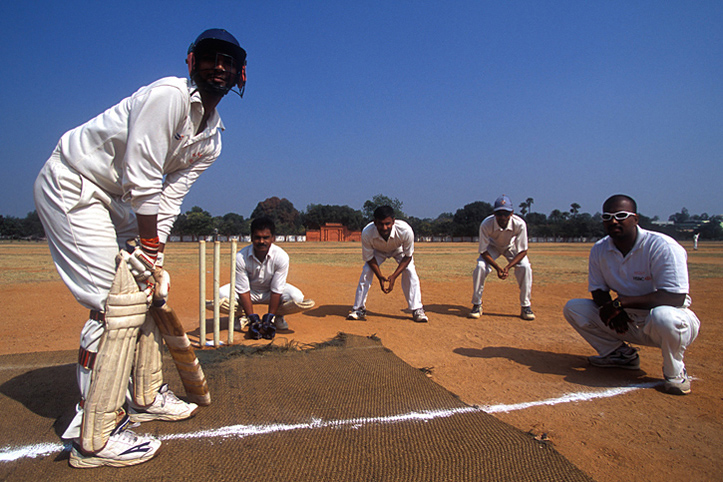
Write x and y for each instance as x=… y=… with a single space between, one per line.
x=346 y=410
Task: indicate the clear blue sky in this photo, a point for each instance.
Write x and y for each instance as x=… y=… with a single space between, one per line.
x=438 y=104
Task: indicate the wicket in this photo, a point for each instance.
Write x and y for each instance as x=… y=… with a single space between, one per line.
x=216 y=298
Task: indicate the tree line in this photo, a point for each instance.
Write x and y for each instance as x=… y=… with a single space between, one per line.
x=559 y=224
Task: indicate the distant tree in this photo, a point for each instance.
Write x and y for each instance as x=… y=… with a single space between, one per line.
x=467 y=220
x=317 y=215
x=713 y=229
x=680 y=217
x=536 y=218
x=574 y=209
x=10 y=227
x=381 y=200
x=232 y=224
x=32 y=227
x=421 y=227
x=198 y=223
x=557 y=216
x=526 y=206
x=283 y=212
x=443 y=225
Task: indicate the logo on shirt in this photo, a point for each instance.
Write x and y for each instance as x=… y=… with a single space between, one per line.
x=641 y=276
x=178 y=136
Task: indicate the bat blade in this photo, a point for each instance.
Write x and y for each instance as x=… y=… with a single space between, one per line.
x=190 y=371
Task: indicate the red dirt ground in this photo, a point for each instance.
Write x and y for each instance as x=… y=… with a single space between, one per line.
x=643 y=435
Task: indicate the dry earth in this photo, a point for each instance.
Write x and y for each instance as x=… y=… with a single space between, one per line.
x=497 y=361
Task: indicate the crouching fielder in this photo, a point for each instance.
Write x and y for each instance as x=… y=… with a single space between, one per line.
x=122 y=175
x=261 y=271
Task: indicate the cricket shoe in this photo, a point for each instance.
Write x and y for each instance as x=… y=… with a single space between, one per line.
x=679 y=385
x=124 y=448
x=280 y=323
x=418 y=316
x=476 y=312
x=625 y=356
x=166 y=406
x=360 y=314
x=526 y=313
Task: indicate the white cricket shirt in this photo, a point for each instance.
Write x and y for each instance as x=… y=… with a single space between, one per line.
x=513 y=237
x=260 y=276
x=145 y=149
x=656 y=262
x=401 y=241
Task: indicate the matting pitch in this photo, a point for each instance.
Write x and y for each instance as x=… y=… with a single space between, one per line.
x=349 y=411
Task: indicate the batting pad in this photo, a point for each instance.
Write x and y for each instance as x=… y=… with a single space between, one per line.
x=147 y=369
x=125 y=312
x=347 y=411
x=290 y=307
x=223 y=306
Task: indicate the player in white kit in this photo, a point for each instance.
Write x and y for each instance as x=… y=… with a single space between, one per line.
x=503 y=234
x=261 y=271
x=648 y=271
x=384 y=238
x=122 y=175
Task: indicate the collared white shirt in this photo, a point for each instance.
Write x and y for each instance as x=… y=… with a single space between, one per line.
x=401 y=241
x=513 y=237
x=656 y=262
x=145 y=149
x=260 y=276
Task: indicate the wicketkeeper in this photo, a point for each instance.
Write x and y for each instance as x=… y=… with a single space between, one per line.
x=119 y=176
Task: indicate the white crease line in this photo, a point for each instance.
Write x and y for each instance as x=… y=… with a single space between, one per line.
x=572 y=397
x=9 y=454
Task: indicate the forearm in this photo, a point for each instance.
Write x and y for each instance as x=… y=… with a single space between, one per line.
x=274 y=302
x=651 y=300
x=374 y=266
x=490 y=260
x=244 y=300
x=518 y=257
x=601 y=297
x=147 y=225
x=401 y=266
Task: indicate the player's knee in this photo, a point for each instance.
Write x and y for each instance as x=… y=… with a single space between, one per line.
x=577 y=311
x=669 y=319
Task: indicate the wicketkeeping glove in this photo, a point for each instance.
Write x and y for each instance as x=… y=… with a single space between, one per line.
x=619 y=322
x=268 y=328
x=254 y=326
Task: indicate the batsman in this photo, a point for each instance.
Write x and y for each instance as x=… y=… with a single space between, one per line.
x=120 y=176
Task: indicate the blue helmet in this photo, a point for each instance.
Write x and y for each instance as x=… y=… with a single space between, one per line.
x=217 y=40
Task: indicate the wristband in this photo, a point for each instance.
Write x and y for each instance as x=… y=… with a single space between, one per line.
x=617 y=304
x=150 y=247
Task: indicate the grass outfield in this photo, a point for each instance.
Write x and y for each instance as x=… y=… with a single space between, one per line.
x=30 y=262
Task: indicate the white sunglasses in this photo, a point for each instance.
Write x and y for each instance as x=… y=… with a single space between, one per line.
x=619 y=216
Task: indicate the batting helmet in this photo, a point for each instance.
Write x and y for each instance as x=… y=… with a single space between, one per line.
x=217 y=41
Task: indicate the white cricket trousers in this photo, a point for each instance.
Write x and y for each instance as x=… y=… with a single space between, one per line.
x=410 y=283
x=669 y=328
x=291 y=293
x=85 y=227
x=523 y=273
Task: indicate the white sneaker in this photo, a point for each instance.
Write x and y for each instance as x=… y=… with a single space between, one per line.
x=166 y=406
x=124 y=448
x=679 y=385
x=360 y=314
x=280 y=323
x=418 y=316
